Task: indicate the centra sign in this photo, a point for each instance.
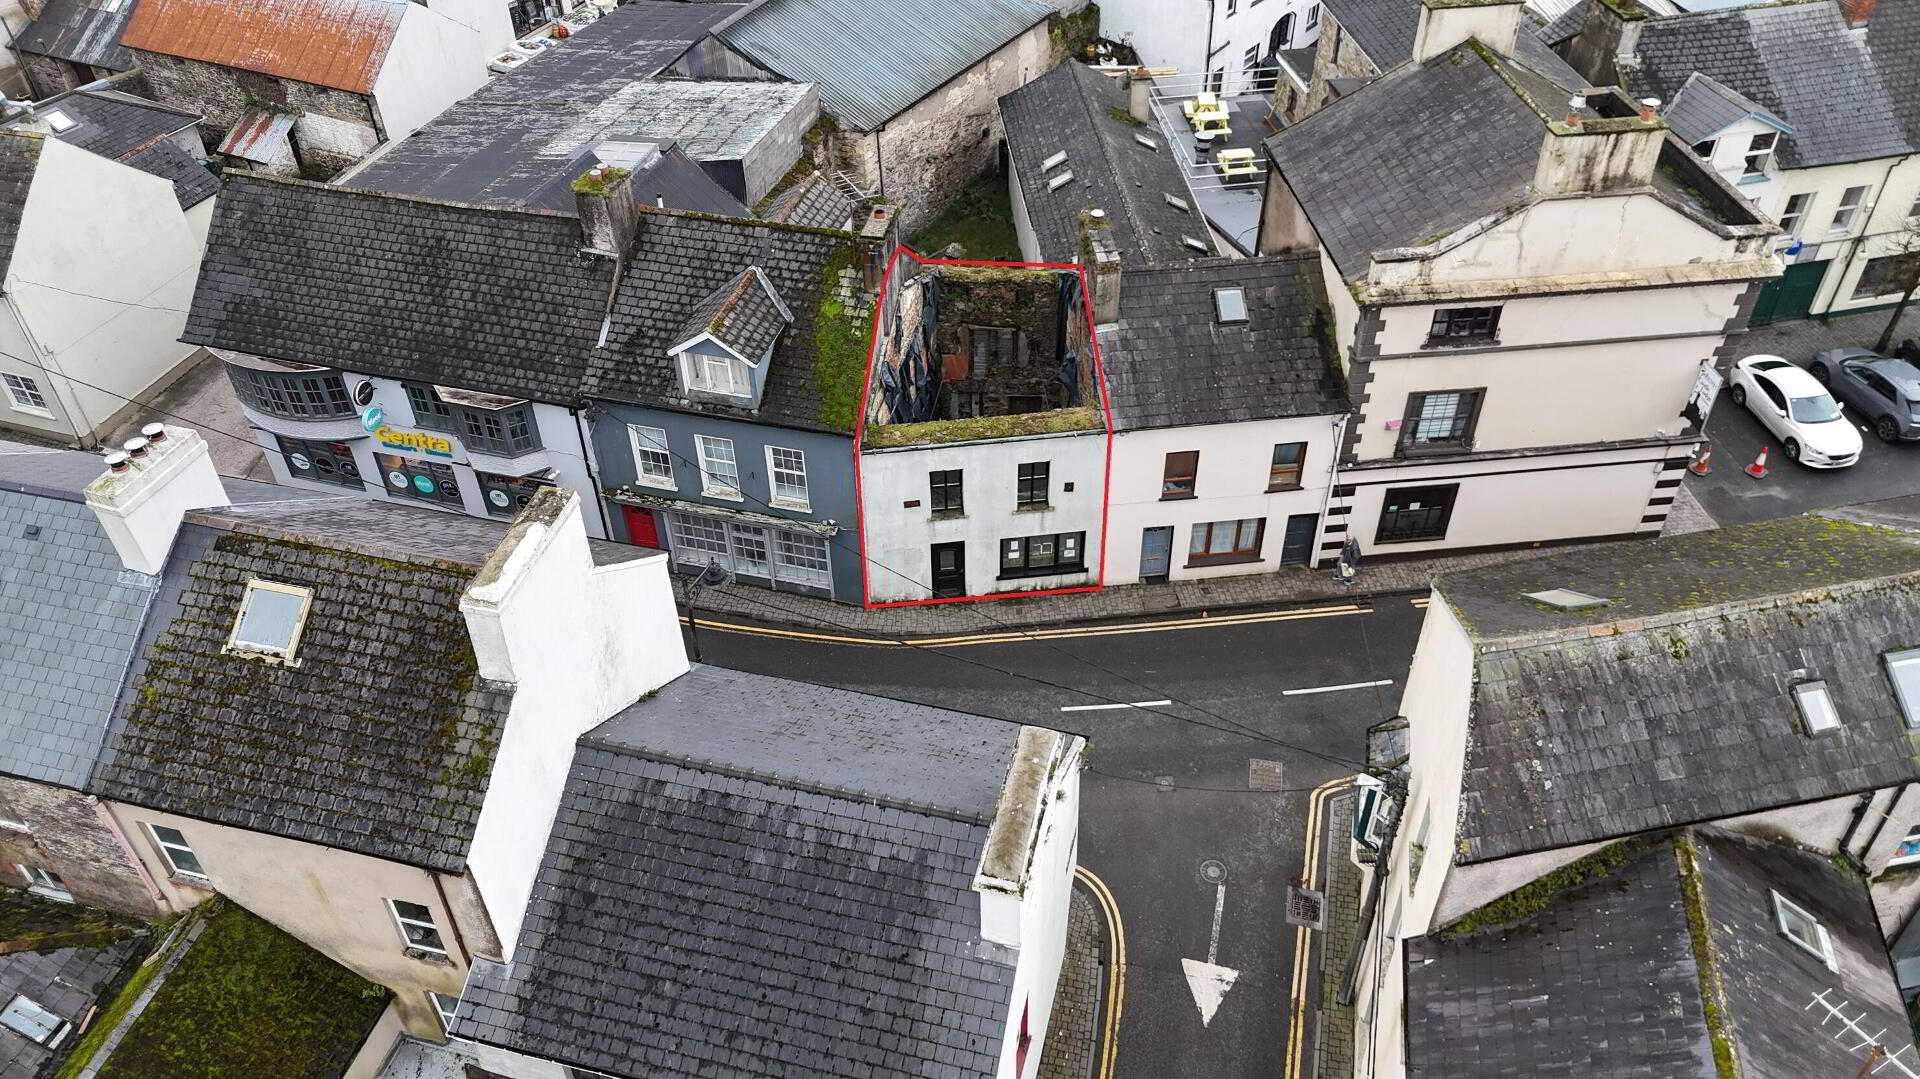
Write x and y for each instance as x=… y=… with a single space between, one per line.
x=417 y=441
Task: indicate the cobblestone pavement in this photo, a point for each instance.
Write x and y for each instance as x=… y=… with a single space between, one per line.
x=1799 y=339
x=1332 y=1024
x=1073 y=1035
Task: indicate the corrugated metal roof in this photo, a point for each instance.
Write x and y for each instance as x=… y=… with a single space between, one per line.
x=872 y=59
x=83 y=31
x=336 y=43
x=256 y=135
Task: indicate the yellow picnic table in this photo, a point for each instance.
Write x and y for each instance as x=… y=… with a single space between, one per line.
x=1206 y=101
x=1235 y=163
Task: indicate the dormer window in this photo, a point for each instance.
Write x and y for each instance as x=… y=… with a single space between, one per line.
x=272 y=617
x=1705 y=147
x=1760 y=153
x=724 y=347
x=718 y=374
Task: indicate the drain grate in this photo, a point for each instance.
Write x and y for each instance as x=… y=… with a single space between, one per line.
x=1306 y=908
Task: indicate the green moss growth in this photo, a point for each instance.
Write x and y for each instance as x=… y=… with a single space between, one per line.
x=1523 y=903
x=1124 y=116
x=589 y=184
x=1074 y=36
x=246 y=1001
x=979 y=219
x=30 y=923
x=935 y=432
x=1713 y=991
x=841 y=342
x=802 y=168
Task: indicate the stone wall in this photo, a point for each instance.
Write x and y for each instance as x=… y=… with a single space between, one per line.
x=1352 y=63
x=66 y=835
x=986 y=302
x=47 y=75
x=221 y=94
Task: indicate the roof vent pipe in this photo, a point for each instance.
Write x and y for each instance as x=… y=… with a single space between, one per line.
x=117 y=462
x=136 y=448
x=154 y=433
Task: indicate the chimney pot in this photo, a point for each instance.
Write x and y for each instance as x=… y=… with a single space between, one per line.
x=1857 y=12
x=154 y=433
x=117 y=462
x=1648 y=107
x=135 y=447
x=1574 y=105
x=140 y=503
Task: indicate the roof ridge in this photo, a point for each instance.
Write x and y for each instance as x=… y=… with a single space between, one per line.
x=231 y=175
x=213 y=517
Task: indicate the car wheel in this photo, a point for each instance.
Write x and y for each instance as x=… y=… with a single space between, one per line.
x=1791 y=449
x=1888 y=430
x=1821 y=375
x=1739 y=395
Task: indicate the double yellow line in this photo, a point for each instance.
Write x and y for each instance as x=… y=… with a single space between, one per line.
x=1302 y=936
x=1116 y=970
x=1166 y=626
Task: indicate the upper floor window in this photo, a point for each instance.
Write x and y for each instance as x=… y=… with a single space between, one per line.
x=1705 y=148
x=503 y=432
x=1313 y=16
x=429 y=411
x=944 y=486
x=1033 y=478
x=44 y=881
x=992 y=348
x=1795 y=212
x=1464 y=325
x=717 y=374
x=788 y=469
x=652 y=462
x=719 y=470
x=1177 y=481
x=292 y=395
x=1440 y=421
x=1908 y=850
x=1850 y=203
x=416 y=926
x=24 y=394
x=1760 y=153
x=173 y=847
x=1289 y=461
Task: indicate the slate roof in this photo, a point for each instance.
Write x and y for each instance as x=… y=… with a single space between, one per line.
x=65 y=981
x=1564 y=25
x=83 y=31
x=1384 y=29
x=1604 y=978
x=870 y=65
x=336 y=43
x=1076 y=110
x=795 y=867
x=1799 y=61
x=19 y=157
x=1705 y=106
x=134 y=131
x=379 y=741
x=1170 y=362
x=1893 y=36
x=513 y=138
x=1671 y=705
x=745 y=315
x=812 y=202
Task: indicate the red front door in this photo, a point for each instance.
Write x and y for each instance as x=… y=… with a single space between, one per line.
x=642 y=528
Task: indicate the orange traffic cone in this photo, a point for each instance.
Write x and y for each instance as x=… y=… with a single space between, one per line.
x=1700 y=467
x=1758 y=469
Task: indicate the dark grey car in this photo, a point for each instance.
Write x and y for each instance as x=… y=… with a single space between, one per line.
x=1882 y=392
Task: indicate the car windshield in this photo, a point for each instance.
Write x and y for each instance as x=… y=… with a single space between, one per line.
x=1820 y=409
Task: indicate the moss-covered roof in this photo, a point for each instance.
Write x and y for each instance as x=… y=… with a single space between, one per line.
x=233 y=997
x=977 y=428
x=29 y=922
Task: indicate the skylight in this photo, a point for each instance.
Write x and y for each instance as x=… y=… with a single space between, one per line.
x=1903 y=670
x=1179 y=204
x=59 y=121
x=1060 y=181
x=271 y=619
x=1146 y=142
x=1195 y=244
x=1057 y=159
x=1816 y=707
x=1803 y=929
x=1567 y=599
x=1230 y=304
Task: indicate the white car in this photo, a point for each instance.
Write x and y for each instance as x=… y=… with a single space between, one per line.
x=1812 y=427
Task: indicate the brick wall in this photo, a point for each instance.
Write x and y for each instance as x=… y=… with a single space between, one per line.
x=220 y=94
x=66 y=835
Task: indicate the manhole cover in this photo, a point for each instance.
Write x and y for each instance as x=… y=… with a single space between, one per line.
x=1305 y=907
x=1213 y=871
x=1264 y=775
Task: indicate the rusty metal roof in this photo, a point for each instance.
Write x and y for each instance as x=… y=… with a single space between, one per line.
x=336 y=43
x=257 y=135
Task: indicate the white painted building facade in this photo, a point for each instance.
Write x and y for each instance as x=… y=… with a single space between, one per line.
x=456 y=450
x=95 y=290
x=1228 y=41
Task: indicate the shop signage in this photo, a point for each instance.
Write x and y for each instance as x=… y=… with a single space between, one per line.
x=418 y=441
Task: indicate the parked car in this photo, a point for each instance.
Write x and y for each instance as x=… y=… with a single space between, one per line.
x=1883 y=392
x=1811 y=426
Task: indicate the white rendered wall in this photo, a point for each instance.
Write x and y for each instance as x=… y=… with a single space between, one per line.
x=1231 y=485
x=1043 y=917
x=438 y=56
x=580 y=643
x=899 y=537
x=1176 y=33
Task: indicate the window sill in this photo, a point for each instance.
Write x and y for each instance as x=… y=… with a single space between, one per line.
x=1033 y=507
x=1044 y=571
x=1755 y=178
x=790 y=504
x=1285 y=487
x=1220 y=560
x=1460 y=342
x=424 y=955
x=656 y=485
x=190 y=881
x=1378 y=541
x=1178 y=498
x=947 y=515
x=29 y=410
x=54 y=894
x=723 y=495
x=1410 y=453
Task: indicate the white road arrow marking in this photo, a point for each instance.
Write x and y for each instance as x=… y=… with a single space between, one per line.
x=1209 y=981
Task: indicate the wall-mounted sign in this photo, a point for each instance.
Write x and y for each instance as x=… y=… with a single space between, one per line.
x=417 y=441
x=373 y=417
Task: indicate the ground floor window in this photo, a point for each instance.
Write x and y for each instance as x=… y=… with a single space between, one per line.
x=751 y=550
x=801 y=558
x=1410 y=514
x=1888 y=275
x=507 y=495
x=44 y=882
x=1037 y=556
x=324 y=462
x=1226 y=541
x=427 y=481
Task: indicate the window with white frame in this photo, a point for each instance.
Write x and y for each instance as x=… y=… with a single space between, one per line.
x=1908 y=850
x=416 y=926
x=1760 y=153
x=272 y=617
x=1795 y=213
x=719 y=470
x=43 y=881
x=697 y=540
x=801 y=558
x=173 y=847
x=789 y=471
x=1313 y=16
x=1903 y=671
x=1802 y=928
x=717 y=374
x=445 y=1006
x=1849 y=208
x=652 y=461
x=24 y=394
x=25 y=1017
x=1705 y=147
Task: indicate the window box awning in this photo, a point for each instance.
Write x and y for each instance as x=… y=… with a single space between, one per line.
x=635 y=496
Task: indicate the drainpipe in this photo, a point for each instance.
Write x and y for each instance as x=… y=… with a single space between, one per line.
x=120 y=838
x=76 y=416
x=593 y=474
x=1206 y=59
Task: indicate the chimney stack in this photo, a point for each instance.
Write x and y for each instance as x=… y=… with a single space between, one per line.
x=1446 y=23
x=147 y=488
x=609 y=217
x=1857 y=12
x=1140 y=95
x=1103 y=269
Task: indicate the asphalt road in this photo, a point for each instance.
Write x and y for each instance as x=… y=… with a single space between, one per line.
x=1733 y=497
x=1144 y=829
